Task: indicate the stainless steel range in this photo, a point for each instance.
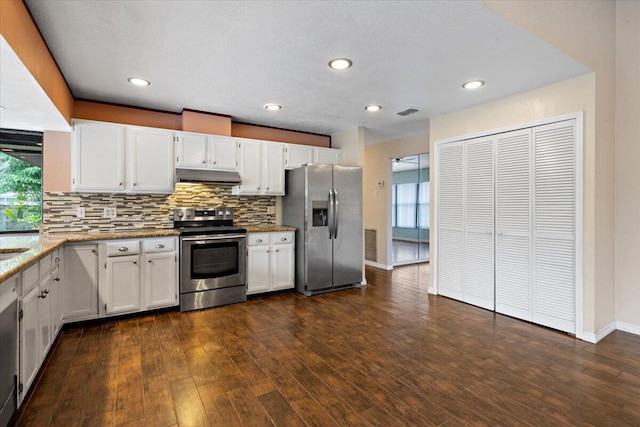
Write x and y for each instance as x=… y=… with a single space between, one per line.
x=213 y=256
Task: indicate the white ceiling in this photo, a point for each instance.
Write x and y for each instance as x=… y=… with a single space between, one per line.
x=232 y=57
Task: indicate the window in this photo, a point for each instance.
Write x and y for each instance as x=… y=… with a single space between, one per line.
x=20 y=180
x=405 y=206
x=423 y=205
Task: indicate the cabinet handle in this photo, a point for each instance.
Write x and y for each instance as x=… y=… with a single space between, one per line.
x=268 y=251
x=123 y=249
x=93 y=250
x=135 y=262
x=277 y=250
x=57 y=279
x=134 y=184
x=284 y=239
x=267 y=188
x=259 y=241
x=204 y=162
x=159 y=246
x=57 y=259
x=258 y=188
x=149 y=262
x=120 y=184
x=46 y=291
x=215 y=162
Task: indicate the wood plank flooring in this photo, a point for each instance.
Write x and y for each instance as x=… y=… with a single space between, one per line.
x=385 y=355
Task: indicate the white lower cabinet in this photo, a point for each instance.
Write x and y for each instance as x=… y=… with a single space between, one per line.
x=44 y=316
x=160 y=284
x=29 y=340
x=80 y=284
x=270 y=262
x=121 y=290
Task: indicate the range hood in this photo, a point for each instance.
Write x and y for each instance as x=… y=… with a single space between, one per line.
x=207 y=175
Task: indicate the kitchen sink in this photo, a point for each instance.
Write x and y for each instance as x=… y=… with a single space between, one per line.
x=10 y=253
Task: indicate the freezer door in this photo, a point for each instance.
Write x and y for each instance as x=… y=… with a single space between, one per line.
x=318 y=243
x=347 y=244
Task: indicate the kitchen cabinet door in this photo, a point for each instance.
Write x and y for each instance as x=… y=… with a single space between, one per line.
x=273 y=169
x=224 y=153
x=44 y=317
x=149 y=160
x=29 y=339
x=250 y=167
x=98 y=157
x=191 y=150
x=282 y=267
x=80 y=285
x=258 y=269
x=331 y=156
x=121 y=292
x=160 y=280
x=54 y=295
x=296 y=155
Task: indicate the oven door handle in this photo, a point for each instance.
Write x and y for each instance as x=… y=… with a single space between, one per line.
x=225 y=237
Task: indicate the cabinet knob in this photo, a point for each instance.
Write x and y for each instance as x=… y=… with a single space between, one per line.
x=93 y=250
x=267 y=188
x=277 y=250
x=258 y=188
x=57 y=259
x=120 y=184
x=284 y=239
x=149 y=262
x=135 y=262
x=134 y=184
x=159 y=246
x=46 y=291
x=215 y=161
x=204 y=162
x=57 y=279
x=123 y=249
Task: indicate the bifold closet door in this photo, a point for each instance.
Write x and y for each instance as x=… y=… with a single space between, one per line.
x=554 y=280
x=450 y=219
x=477 y=279
x=513 y=256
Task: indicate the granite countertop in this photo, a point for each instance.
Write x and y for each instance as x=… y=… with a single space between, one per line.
x=267 y=228
x=32 y=247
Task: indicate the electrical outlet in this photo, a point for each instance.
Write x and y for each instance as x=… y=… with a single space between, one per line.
x=109 y=212
x=80 y=212
x=271 y=210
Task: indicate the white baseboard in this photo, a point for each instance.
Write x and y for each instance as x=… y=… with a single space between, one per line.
x=432 y=290
x=612 y=326
x=364 y=282
x=628 y=327
x=378 y=265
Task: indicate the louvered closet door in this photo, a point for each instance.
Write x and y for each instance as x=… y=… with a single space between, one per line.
x=554 y=225
x=513 y=224
x=450 y=219
x=478 y=283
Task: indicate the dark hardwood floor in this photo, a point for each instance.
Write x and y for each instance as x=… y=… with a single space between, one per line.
x=385 y=355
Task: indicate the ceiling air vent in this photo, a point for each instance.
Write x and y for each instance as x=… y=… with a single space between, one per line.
x=407 y=111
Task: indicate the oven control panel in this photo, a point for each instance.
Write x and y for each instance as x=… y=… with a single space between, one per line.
x=203 y=214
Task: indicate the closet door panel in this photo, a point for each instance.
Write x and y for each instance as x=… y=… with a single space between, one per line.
x=478 y=280
x=514 y=224
x=450 y=220
x=554 y=225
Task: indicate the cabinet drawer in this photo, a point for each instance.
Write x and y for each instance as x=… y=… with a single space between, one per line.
x=159 y=245
x=29 y=278
x=45 y=265
x=282 y=237
x=258 y=239
x=125 y=247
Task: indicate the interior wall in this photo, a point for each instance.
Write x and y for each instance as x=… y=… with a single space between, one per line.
x=56 y=161
x=569 y=96
x=627 y=158
x=352 y=143
x=377 y=200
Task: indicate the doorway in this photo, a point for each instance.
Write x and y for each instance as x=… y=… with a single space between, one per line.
x=410 y=200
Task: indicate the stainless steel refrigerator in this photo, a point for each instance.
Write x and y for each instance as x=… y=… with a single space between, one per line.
x=324 y=203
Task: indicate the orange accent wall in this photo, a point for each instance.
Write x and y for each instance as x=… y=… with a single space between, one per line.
x=197 y=121
x=103 y=112
x=280 y=135
x=56 y=161
x=19 y=30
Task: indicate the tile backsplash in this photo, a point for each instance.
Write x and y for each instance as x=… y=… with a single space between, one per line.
x=137 y=211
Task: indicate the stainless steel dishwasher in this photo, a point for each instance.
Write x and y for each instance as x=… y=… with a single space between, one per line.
x=8 y=349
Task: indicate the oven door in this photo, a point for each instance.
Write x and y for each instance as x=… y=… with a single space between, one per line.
x=212 y=262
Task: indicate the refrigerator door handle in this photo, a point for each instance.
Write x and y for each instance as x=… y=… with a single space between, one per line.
x=336 y=216
x=330 y=219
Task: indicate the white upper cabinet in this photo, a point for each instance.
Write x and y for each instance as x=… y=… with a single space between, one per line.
x=273 y=168
x=331 y=156
x=296 y=155
x=149 y=160
x=200 y=151
x=250 y=167
x=223 y=153
x=97 y=157
x=192 y=150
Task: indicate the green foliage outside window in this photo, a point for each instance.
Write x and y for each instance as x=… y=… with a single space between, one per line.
x=23 y=182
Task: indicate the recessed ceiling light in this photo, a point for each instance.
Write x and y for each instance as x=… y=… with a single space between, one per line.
x=340 y=63
x=138 y=81
x=373 y=108
x=473 y=84
x=273 y=107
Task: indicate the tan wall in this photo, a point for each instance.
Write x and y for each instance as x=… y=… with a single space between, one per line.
x=19 y=30
x=104 y=112
x=56 y=161
x=377 y=200
x=627 y=153
x=196 y=121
